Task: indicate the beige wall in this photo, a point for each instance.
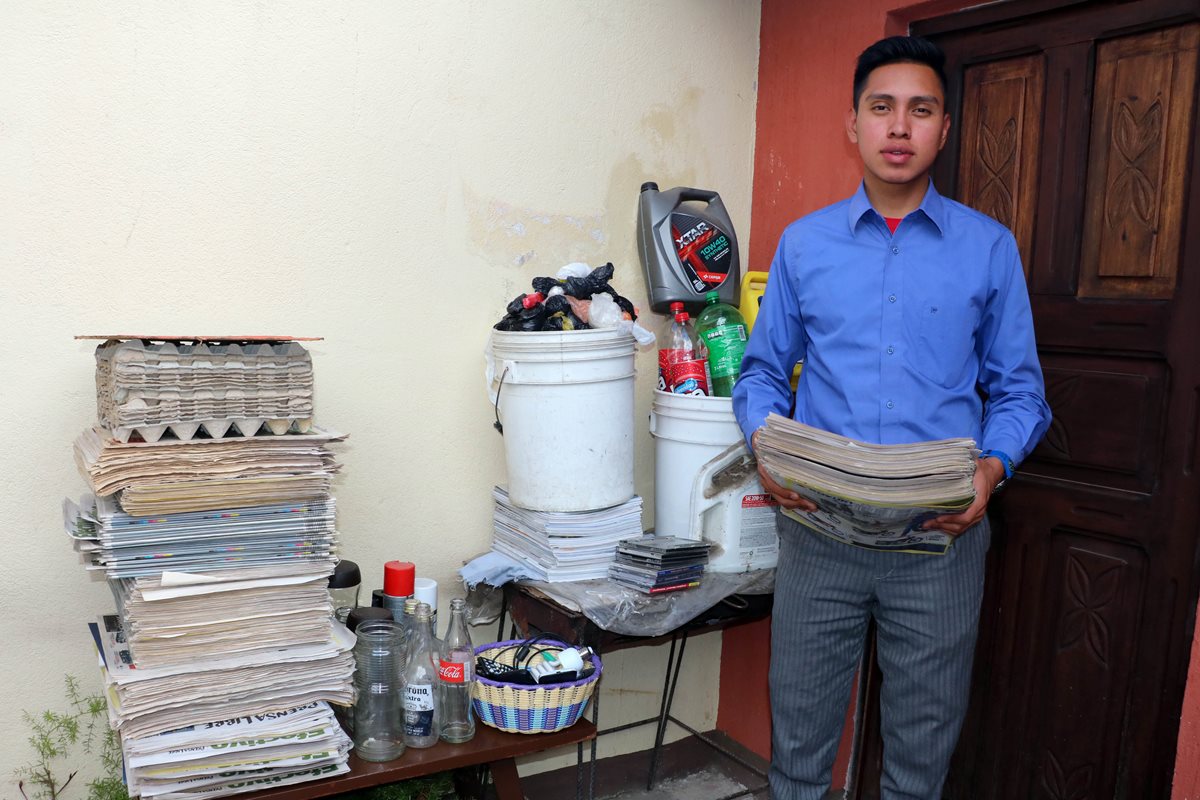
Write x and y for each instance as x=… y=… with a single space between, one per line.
x=386 y=175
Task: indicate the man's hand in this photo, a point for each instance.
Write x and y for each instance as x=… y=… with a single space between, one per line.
x=785 y=497
x=988 y=472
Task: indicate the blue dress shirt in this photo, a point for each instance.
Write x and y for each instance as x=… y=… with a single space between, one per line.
x=900 y=334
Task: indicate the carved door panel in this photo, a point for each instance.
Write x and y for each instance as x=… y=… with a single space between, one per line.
x=1077 y=128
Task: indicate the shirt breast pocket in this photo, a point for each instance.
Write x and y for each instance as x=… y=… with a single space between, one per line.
x=941 y=327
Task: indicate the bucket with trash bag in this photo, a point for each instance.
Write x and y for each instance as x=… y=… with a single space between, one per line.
x=562 y=389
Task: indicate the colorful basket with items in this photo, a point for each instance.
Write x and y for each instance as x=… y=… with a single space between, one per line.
x=533 y=685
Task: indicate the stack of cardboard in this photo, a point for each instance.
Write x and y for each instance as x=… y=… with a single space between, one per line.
x=145 y=387
x=217 y=535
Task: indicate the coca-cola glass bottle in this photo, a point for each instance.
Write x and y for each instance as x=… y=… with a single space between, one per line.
x=421 y=724
x=457 y=672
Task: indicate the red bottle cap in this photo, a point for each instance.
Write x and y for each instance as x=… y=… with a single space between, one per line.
x=677 y=306
x=398 y=577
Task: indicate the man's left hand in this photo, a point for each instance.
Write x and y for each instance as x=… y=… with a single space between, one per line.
x=988 y=472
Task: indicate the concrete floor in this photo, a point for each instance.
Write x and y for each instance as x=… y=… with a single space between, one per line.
x=688 y=770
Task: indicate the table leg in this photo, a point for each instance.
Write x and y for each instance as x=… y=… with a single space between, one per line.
x=672 y=679
x=595 y=740
x=506 y=780
x=579 y=771
x=503 y=611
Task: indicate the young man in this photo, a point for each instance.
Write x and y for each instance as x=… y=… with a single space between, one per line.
x=911 y=315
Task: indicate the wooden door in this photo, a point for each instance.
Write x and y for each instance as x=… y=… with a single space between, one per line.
x=1076 y=127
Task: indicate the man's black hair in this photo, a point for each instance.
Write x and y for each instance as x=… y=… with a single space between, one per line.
x=898 y=50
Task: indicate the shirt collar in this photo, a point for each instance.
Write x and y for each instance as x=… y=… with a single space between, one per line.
x=932 y=206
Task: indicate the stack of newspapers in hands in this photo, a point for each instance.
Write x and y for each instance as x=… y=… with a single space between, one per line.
x=217 y=534
x=870 y=495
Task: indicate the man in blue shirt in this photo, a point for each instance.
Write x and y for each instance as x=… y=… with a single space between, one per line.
x=911 y=316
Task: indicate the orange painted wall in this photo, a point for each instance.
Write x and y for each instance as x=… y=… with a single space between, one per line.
x=1187 y=757
x=802 y=161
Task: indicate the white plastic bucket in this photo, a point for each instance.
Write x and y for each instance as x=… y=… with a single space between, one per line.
x=565 y=401
x=706 y=485
x=688 y=431
x=730 y=509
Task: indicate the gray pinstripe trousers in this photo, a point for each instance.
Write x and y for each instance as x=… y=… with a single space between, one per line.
x=926 y=609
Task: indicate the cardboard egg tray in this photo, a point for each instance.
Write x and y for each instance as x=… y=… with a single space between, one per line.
x=147 y=388
x=216 y=428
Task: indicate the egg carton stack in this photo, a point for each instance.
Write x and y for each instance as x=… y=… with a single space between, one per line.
x=223 y=657
x=147 y=388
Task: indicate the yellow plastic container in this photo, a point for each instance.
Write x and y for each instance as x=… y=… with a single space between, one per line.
x=754 y=285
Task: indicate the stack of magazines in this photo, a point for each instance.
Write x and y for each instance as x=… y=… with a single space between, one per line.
x=563 y=546
x=870 y=495
x=657 y=564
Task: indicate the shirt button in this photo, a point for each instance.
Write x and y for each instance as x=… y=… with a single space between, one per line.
x=890 y=404
x=895 y=250
x=891 y=349
x=891 y=298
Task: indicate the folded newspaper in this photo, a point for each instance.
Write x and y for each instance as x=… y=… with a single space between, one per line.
x=870 y=495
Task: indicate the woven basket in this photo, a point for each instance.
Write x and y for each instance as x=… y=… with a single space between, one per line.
x=516 y=708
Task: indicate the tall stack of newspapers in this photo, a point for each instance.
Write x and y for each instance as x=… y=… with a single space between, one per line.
x=210 y=516
x=874 y=496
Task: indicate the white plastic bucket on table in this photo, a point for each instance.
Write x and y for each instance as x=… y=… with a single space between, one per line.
x=730 y=508
x=688 y=431
x=698 y=442
x=565 y=401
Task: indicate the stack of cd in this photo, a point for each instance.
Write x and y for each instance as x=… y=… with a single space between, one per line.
x=656 y=564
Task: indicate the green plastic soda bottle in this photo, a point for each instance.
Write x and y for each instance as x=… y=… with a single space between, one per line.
x=723 y=330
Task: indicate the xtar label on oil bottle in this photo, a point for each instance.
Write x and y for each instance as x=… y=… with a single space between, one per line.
x=704 y=252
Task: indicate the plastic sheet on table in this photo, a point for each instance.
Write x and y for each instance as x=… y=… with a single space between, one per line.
x=629 y=612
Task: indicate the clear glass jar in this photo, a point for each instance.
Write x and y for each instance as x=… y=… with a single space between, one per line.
x=378 y=712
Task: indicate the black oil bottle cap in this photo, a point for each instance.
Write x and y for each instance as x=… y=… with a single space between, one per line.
x=648 y=185
x=363 y=613
x=345 y=574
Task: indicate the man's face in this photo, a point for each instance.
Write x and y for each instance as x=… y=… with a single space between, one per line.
x=900 y=124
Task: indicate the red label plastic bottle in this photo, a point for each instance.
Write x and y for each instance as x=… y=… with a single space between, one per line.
x=683 y=363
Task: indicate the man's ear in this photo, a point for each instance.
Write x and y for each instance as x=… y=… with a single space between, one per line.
x=945 y=131
x=852 y=126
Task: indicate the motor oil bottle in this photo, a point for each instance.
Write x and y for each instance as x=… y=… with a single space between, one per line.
x=686 y=250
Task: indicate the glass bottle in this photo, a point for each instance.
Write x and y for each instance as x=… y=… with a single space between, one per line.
x=456 y=670
x=421 y=722
x=407 y=620
x=378 y=721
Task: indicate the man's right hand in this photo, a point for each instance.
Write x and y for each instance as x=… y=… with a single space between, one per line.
x=785 y=497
